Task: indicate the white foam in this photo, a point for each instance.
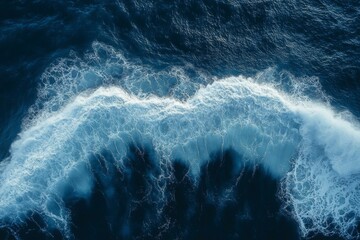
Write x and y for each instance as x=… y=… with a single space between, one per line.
x=323 y=187
x=287 y=133
x=106 y=66
x=339 y=139
x=233 y=112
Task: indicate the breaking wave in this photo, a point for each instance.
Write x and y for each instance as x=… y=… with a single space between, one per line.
x=104 y=102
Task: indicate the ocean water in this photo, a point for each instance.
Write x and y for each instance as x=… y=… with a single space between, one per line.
x=191 y=119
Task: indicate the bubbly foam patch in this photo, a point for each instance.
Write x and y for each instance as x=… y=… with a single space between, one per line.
x=104 y=102
x=338 y=139
x=106 y=66
x=323 y=187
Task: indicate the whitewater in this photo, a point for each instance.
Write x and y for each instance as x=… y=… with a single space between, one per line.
x=104 y=102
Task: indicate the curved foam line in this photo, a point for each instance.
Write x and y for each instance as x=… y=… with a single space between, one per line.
x=266 y=126
x=233 y=112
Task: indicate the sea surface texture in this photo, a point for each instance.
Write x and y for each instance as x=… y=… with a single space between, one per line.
x=184 y=119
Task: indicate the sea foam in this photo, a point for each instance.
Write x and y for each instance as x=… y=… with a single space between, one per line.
x=107 y=103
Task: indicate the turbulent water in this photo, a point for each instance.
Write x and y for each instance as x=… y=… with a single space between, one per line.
x=180 y=119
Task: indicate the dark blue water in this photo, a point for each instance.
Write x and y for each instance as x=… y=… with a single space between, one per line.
x=51 y=52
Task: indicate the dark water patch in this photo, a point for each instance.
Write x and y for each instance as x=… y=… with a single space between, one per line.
x=34 y=34
x=130 y=202
x=140 y=200
x=123 y=204
x=222 y=203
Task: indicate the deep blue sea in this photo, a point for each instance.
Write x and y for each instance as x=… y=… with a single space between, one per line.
x=192 y=119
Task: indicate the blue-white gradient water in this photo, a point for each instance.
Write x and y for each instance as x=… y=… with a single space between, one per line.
x=183 y=120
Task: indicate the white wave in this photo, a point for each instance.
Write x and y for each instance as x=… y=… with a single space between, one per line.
x=323 y=186
x=291 y=136
x=106 y=66
x=233 y=112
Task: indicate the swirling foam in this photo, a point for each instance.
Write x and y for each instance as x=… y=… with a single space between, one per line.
x=323 y=186
x=315 y=149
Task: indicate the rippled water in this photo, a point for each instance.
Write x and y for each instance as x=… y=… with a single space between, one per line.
x=179 y=120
